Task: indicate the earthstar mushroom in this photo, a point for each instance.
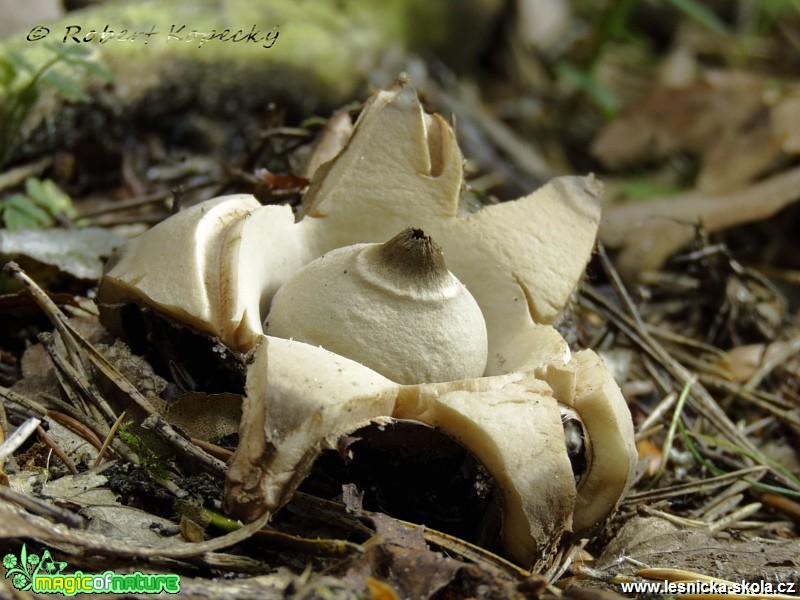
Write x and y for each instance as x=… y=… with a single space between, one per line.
x=219 y=267
x=521 y=260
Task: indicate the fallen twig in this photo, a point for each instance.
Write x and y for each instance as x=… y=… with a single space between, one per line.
x=17 y=438
x=50 y=443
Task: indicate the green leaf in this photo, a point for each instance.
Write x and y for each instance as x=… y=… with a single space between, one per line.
x=97 y=70
x=776 y=9
x=68 y=87
x=600 y=95
x=645 y=188
x=68 y=53
x=22 y=92
x=7 y=73
x=82 y=57
x=696 y=11
x=19 y=63
x=313 y=122
x=19 y=212
x=49 y=196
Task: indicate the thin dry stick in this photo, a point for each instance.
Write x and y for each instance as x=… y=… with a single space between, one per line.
x=123 y=385
x=560 y=567
x=4 y=427
x=158 y=423
x=673 y=518
x=50 y=443
x=57 y=318
x=214 y=450
x=50 y=308
x=82 y=425
x=525 y=156
x=17 y=438
x=57 y=404
x=19 y=174
x=657 y=413
x=108 y=440
x=701 y=401
x=658 y=375
x=154 y=198
x=337 y=514
x=74 y=398
x=99 y=544
x=677 y=415
x=162 y=429
x=313 y=546
x=756 y=426
x=76 y=426
x=767 y=402
x=20 y=403
x=787 y=506
x=772 y=360
x=715 y=506
x=41 y=508
x=87 y=393
x=693 y=487
x=720 y=508
x=671 y=336
x=696 y=363
x=74 y=339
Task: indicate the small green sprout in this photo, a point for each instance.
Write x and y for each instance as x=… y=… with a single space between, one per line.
x=21 y=83
x=40 y=206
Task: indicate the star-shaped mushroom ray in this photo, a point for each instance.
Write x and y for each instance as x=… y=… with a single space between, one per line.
x=299 y=400
x=213 y=267
x=293 y=412
x=521 y=260
x=174 y=267
x=605 y=415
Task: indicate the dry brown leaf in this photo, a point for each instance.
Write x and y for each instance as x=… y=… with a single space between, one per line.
x=380 y=591
x=742 y=362
x=399 y=556
x=331 y=141
x=649 y=233
x=785 y=120
x=206 y=416
x=733 y=162
x=657 y=543
x=402 y=559
x=652 y=454
x=689 y=118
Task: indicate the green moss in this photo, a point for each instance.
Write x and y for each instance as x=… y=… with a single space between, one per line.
x=320 y=55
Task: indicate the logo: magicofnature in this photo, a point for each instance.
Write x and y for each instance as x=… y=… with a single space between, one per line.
x=44 y=575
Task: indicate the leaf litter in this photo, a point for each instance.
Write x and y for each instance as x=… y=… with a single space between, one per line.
x=693 y=313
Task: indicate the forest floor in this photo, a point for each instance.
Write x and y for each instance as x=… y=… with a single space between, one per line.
x=687 y=111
